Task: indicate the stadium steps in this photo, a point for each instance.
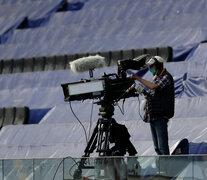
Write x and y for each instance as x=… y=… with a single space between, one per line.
x=112 y=30
x=60 y=135
x=103 y=28
x=61 y=62
x=131 y=39
x=148 y=8
x=86 y=17
x=116 y=29
x=13 y=116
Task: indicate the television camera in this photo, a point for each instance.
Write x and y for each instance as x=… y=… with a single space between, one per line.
x=108 y=89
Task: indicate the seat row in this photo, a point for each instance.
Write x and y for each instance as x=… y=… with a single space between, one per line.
x=51 y=63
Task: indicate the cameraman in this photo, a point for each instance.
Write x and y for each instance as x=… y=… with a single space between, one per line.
x=159 y=107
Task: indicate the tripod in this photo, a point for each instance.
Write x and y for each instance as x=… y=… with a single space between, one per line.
x=105 y=132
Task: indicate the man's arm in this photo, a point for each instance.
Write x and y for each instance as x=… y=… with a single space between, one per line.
x=146 y=83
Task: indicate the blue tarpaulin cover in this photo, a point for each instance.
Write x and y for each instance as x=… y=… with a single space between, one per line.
x=43 y=90
x=136 y=24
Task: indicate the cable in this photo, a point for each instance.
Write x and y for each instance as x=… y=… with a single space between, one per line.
x=76 y=163
x=90 y=121
x=121 y=109
x=122 y=95
x=79 y=122
x=91 y=116
x=123 y=104
x=139 y=108
x=61 y=163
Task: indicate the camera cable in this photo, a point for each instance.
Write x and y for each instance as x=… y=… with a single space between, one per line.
x=76 y=163
x=79 y=122
x=90 y=121
x=121 y=109
x=82 y=127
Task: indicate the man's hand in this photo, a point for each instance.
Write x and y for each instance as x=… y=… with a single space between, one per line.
x=132 y=76
x=146 y=83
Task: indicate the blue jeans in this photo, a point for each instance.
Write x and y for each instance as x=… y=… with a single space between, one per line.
x=160 y=136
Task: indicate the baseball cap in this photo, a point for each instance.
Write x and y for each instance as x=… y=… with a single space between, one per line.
x=154 y=59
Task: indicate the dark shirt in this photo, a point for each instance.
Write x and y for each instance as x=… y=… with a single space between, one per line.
x=162 y=80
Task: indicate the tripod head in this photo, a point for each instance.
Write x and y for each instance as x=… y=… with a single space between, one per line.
x=106 y=109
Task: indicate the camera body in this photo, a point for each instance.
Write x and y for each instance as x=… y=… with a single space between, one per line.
x=110 y=87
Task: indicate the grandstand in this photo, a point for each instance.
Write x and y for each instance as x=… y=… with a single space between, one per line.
x=38 y=38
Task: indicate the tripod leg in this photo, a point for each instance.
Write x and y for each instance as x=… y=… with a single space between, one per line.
x=99 y=136
x=91 y=143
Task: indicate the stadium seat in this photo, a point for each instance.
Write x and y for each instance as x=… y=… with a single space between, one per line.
x=166 y=53
x=18 y=65
x=28 y=65
x=107 y=55
x=83 y=55
x=1 y=66
x=152 y=51
x=9 y=116
x=71 y=58
x=2 y=112
x=7 y=66
x=94 y=54
x=50 y=63
x=39 y=63
x=128 y=54
x=14 y=116
x=21 y=115
x=115 y=56
x=60 y=62
x=138 y=52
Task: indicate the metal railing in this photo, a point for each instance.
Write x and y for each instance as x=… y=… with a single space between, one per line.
x=117 y=168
